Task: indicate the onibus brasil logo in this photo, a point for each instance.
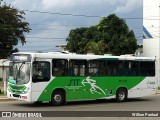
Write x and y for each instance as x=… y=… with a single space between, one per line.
x=94 y=88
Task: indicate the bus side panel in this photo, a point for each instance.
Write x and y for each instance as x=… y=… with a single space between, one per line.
x=37 y=89
x=80 y=88
x=71 y=85
x=144 y=88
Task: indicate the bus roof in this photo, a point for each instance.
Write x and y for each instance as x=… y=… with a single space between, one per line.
x=58 y=55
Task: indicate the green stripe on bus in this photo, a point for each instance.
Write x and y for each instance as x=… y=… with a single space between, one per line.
x=80 y=88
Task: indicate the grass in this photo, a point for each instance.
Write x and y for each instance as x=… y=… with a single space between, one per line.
x=2 y=93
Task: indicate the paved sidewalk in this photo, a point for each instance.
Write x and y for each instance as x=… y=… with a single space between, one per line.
x=5 y=99
x=158 y=91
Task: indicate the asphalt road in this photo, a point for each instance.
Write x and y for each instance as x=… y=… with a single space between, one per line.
x=150 y=103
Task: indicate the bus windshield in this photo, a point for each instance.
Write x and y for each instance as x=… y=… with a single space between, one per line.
x=19 y=72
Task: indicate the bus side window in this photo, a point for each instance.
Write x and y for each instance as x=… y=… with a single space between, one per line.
x=41 y=71
x=96 y=68
x=77 y=67
x=93 y=68
x=130 y=68
x=147 y=68
x=71 y=69
x=135 y=68
x=59 y=67
x=112 y=68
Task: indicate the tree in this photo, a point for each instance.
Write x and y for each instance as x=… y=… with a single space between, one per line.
x=76 y=40
x=111 y=35
x=97 y=48
x=119 y=39
x=12 y=29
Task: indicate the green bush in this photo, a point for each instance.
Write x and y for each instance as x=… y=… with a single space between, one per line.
x=0 y=91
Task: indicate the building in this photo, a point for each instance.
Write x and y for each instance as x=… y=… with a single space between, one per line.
x=151 y=32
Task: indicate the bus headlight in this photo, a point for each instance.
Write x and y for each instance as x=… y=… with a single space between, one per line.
x=25 y=91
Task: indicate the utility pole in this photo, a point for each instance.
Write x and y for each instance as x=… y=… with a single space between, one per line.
x=4 y=77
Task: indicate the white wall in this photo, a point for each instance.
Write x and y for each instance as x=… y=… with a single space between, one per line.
x=151 y=49
x=151 y=21
x=151 y=15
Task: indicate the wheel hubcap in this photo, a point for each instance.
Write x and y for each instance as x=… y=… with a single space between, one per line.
x=57 y=98
x=121 y=95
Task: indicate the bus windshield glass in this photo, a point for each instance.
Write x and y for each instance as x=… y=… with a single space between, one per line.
x=19 y=72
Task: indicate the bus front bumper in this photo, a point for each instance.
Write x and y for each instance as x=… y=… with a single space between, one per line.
x=23 y=97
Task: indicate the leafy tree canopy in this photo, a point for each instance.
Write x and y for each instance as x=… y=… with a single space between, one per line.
x=111 y=35
x=12 y=29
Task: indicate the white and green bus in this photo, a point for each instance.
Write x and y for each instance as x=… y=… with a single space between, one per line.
x=58 y=77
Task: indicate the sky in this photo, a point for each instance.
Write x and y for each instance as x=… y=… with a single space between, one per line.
x=50 y=29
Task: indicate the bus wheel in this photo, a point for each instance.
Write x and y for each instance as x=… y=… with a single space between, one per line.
x=121 y=95
x=58 y=98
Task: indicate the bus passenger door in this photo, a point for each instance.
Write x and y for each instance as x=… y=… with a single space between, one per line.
x=77 y=73
x=75 y=89
x=41 y=75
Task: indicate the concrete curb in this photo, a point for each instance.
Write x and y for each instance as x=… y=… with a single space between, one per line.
x=5 y=99
x=158 y=94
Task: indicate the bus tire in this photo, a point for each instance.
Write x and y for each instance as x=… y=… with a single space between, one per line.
x=58 y=98
x=37 y=102
x=121 y=95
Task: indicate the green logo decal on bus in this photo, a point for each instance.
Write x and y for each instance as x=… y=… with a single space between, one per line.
x=73 y=84
x=94 y=87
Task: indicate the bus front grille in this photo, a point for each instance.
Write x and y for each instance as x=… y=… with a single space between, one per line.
x=14 y=95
